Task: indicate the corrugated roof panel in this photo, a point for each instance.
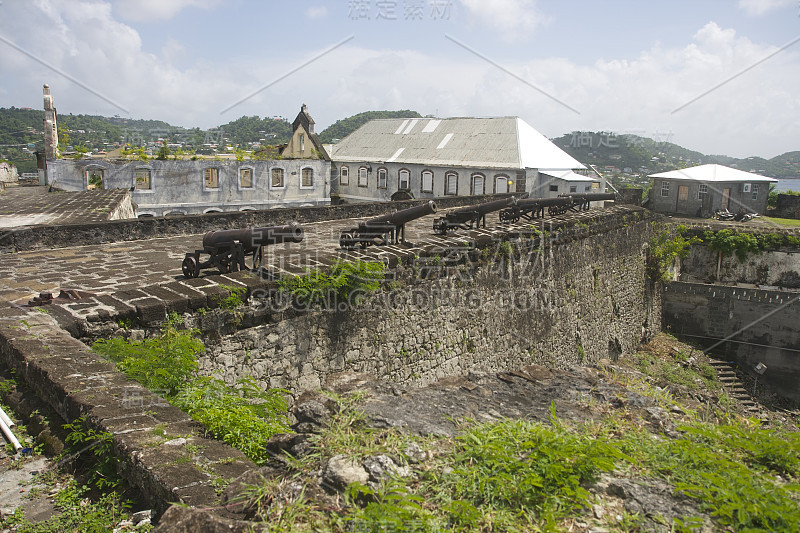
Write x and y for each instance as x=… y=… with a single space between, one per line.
x=402 y=126
x=411 y=125
x=395 y=155
x=430 y=127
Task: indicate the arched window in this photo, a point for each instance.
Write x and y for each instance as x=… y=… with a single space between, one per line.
x=451 y=183
x=382 y=173
x=362 y=177
x=478 y=184
x=427 y=181
x=404 y=179
x=501 y=183
x=94 y=178
x=344 y=176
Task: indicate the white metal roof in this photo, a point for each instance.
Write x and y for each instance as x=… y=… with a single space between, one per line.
x=568 y=175
x=503 y=143
x=712 y=173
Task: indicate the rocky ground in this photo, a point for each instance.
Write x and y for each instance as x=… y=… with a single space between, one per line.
x=426 y=420
x=364 y=431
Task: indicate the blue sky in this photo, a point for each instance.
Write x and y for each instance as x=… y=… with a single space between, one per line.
x=621 y=66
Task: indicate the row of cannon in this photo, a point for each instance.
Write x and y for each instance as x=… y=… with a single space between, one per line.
x=227 y=249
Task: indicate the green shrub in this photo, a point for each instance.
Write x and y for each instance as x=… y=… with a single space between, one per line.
x=347 y=282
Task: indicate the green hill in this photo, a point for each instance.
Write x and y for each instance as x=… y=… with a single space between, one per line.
x=344 y=127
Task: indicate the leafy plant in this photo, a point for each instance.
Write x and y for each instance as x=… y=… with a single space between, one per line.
x=83 y=440
x=234 y=299
x=347 y=283
x=245 y=417
x=662 y=251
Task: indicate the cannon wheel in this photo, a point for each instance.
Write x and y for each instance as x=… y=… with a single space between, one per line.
x=189 y=267
x=553 y=210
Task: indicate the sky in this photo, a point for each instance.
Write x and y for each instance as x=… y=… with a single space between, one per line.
x=720 y=77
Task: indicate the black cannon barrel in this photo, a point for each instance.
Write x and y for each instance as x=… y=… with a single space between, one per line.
x=482 y=209
x=544 y=202
x=251 y=238
x=404 y=215
x=594 y=196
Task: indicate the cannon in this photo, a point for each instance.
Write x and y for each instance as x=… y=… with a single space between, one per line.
x=386 y=229
x=582 y=201
x=227 y=248
x=532 y=208
x=469 y=217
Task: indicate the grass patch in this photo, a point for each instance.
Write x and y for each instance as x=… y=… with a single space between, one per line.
x=783 y=221
x=244 y=416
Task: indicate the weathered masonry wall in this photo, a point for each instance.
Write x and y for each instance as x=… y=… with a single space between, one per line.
x=160 y=450
x=779 y=268
x=65 y=235
x=583 y=296
x=760 y=326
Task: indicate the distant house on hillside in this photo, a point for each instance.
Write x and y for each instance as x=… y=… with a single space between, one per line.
x=700 y=190
x=387 y=159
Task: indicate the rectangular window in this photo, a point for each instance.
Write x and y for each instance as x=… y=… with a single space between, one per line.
x=245 y=178
x=554 y=188
x=381 y=178
x=702 y=190
x=344 y=176
x=587 y=188
x=664 y=188
x=755 y=191
x=212 y=178
x=427 y=181
x=573 y=188
x=450 y=183
x=143 y=182
x=307 y=179
x=478 y=182
x=302 y=143
x=403 y=179
x=362 y=177
x=277 y=178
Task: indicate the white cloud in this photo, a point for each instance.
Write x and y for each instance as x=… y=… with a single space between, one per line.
x=149 y=10
x=759 y=7
x=317 y=12
x=515 y=20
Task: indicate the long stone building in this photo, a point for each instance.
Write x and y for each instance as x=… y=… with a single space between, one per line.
x=388 y=159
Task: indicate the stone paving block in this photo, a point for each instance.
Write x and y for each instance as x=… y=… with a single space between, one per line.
x=249 y=280
x=194 y=298
x=123 y=310
x=151 y=311
x=173 y=301
x=214 y=294
x=199 y=496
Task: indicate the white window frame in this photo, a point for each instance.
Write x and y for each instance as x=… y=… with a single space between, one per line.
x=665 y=187
x=702 y=190
x=754 y=189
x=383 y=177
x=400 y=179
x=283 y=178
x=451 y=177
x=149 y=171
x=302 y=176
x=363 y=177
x=205 y=178
x=252 y=178
x=473 y=179
x=344 y=175
x=429 y=175
x=573 y=188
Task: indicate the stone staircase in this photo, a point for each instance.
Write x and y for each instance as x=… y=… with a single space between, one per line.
x=727 y=376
